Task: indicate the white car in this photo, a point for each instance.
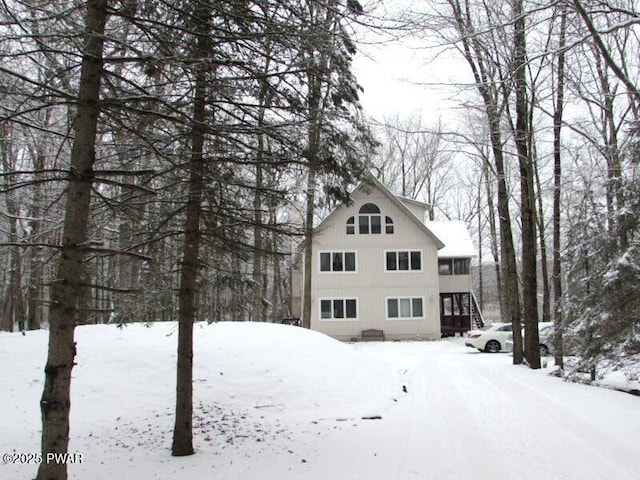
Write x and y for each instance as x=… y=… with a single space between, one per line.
x=546 y=333
x=491 y=338
x=509 y=343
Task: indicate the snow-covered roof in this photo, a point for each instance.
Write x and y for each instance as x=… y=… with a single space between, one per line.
x=455 y=236
x=424 y=205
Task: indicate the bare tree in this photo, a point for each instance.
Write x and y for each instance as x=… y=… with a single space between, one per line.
x=13 y=312
x=414 y=160
x=558 y=113
x=488 y=82
x=523 y=141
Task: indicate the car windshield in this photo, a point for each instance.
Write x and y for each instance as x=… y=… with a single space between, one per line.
x=485 y=327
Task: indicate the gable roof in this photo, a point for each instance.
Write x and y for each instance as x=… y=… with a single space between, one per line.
x=371 y=181
x=414 y=202
x=456 y=238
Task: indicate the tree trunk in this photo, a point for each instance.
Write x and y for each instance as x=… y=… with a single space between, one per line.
x=34 y=316
x=557 y=186
x=13 y=308
x=187 y=295
x=493 y=233
x=509 y=273
x=480 y=270
x=474 y=53
x=527 y=197
x=258 y=250
x=314 y=81
x=66 y=290
x=182 y=432
x=257 y=308
x=276 y=313
x=16 y=286
x=308 y=246
x=544 y=266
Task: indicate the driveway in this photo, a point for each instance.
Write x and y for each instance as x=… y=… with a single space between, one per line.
x=471 y=415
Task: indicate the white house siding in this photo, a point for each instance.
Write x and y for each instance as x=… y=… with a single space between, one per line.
x=365 y=284
x=419 y=210
x=455 y=283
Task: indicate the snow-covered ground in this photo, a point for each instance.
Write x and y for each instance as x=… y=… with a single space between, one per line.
x=279 y=402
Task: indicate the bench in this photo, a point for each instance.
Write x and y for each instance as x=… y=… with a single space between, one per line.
x=295 y=321
x=372 y=334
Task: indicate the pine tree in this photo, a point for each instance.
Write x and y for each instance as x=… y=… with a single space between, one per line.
x=603 y=298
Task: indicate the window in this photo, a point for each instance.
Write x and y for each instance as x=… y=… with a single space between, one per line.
x=363 y=225
x=404 y=308
x=369 y=208
x=388 y=225
x=461 y=266
x=351 y=228
x=337 y=261
x=376 y=226
x=369 y=219
x=338 y=309
x=444 y=266
x=455 y=304
x=416 y=260
x=403 y=261
x=447 y=304
x=453 y=266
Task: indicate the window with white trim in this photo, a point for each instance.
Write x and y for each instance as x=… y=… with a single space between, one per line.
x=405 y=308
x=369 y=219
x=351 y=227
x=403 y=261
x=338 y=309
x=388 y=225
x=337 y=262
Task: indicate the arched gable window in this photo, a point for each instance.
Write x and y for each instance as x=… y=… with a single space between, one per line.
x=369 y=208
x=351 y=228
x=388 y=225
x=369 y=219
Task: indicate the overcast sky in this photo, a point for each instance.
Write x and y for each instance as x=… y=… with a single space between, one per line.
x=402 y=77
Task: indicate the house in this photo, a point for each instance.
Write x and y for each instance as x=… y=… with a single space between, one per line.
x=377 y=265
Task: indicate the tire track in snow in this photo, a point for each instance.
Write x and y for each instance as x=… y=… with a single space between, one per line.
x=468 y=420
x=431 y=452
x=555 y=423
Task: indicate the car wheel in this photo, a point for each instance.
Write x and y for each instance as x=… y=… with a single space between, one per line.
x=544 y=350
x=492 y=346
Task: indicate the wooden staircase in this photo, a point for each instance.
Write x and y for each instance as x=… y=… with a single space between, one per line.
x=477 y=320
